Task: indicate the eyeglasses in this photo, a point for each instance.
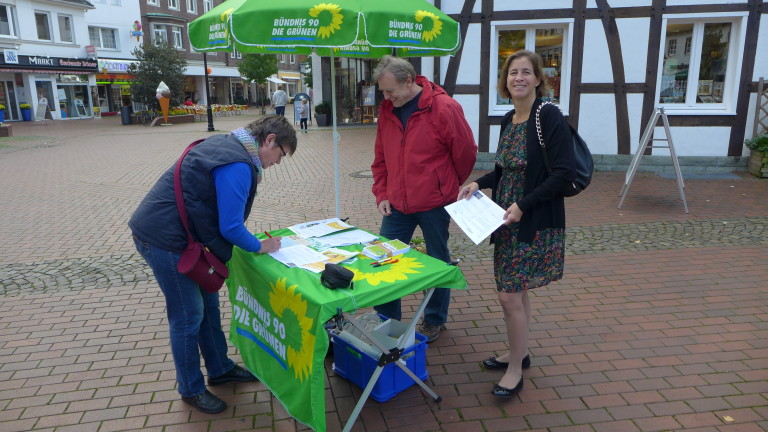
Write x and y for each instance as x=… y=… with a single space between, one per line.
x=282 y=150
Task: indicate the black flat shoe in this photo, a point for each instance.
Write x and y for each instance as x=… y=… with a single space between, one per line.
x=504 y=392
x=492 y=364
x=236 y=375
x=206 y=402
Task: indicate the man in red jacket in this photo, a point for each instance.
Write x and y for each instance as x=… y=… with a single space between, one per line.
x=424 y=151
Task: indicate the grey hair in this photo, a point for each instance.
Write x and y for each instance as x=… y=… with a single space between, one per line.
x=400 y=68
x=284 y=132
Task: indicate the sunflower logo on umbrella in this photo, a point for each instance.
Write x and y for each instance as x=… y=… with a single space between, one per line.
x=292 y=310
x=330 y=17
x=437 y=25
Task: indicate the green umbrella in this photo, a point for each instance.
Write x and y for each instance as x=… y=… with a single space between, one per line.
x=340 y=28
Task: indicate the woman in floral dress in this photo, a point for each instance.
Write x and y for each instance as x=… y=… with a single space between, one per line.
x=529 y=246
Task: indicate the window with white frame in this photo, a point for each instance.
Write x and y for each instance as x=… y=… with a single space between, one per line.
x=192 y=6
x=104 y=38
x=704 y=74
x=152 y=2
x=178 y=42
x=173 y=4
x=551 y=39
x=159 y=34
x=7 y=21
x=65 y=28
x=43 y=24
x=291 y=58
x=207 y=5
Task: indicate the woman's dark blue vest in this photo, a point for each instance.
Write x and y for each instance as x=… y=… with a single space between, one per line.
x=157 y=220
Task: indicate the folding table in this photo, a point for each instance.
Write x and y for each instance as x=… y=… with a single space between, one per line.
x=279 y=315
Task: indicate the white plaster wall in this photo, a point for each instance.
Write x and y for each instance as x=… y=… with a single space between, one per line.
x=454 y=6
x=493 y=138
x=696 y=141
x=597 y=62
x=635 y=113
x=120 y=18
x=28 y=42
x=620 y=3
x=761 y=59
x=471 y=106
x=597 y=123
x=703 y=2
x=633 y=34
x=469 y=69
x=502 y=5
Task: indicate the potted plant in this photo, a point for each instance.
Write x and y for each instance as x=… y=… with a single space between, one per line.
x=758 y=156
x=323 y=113
x=26 y=111
x=2 y=113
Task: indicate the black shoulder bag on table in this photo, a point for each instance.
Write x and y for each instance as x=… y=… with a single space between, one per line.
x=197 y=262
x=582 y=156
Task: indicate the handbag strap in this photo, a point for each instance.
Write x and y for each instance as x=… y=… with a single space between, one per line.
x=541 y=139
x=177 y=190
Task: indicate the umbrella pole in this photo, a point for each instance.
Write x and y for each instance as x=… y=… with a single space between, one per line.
x=335 y=134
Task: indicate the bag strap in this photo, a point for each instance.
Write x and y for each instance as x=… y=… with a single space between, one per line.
x=541 y=139
x=177 y=190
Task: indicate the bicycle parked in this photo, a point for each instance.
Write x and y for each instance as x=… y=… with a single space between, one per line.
x=145 y=117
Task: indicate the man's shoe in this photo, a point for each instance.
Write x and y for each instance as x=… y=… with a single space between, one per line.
x=206 y=402
x=431 y=331
x=235 y=375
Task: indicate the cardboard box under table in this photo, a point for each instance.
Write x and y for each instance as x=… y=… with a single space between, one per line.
x=279 y=315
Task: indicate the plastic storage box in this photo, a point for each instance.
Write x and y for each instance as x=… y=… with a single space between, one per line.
x=357 y=366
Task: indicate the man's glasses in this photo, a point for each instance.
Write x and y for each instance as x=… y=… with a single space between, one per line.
x=282 y=150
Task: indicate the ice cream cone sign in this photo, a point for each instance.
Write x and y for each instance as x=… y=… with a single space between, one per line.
x=163 y=95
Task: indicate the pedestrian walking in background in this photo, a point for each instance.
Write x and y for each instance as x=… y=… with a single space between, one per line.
x=279 y=99
x=529 y=247
x=417 y=170
x=219 y=179
x=303 y=115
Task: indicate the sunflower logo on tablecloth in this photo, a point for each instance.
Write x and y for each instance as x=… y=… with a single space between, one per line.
x=389 y=273
x=330 y=18
x=292 y=311
x=437 y=25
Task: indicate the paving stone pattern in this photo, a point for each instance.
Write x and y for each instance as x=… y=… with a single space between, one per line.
x=659 y=324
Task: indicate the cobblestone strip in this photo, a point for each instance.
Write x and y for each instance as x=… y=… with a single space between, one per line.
x=125 y=269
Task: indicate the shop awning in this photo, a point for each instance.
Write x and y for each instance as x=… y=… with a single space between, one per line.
x=277 y=80
x=46 y=71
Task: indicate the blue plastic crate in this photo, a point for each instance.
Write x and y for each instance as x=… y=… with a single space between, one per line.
x=358 y=367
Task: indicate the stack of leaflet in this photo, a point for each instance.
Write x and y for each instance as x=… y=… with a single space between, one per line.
x=379 y=250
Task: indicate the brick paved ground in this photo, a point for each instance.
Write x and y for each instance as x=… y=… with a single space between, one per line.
x=659 y=324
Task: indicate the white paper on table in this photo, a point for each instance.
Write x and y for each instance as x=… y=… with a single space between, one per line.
x=320 y=227
x=298 y=255
x=333 y=256
x=346 y=238
x=478 y=216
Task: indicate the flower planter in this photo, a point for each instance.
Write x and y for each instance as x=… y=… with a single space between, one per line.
x=758 y=164
x=26 y=114
x=322 y=119
x=2 y=116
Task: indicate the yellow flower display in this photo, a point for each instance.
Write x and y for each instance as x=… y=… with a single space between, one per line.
x=389 y=273
x=292 y=310
x=329 y=25
x=437 y=25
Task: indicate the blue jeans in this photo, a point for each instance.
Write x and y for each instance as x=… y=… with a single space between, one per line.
x=434 y=226
x=280 y=110
x=194 y=319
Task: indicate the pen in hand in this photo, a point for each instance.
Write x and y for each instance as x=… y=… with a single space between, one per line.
x=267 y=234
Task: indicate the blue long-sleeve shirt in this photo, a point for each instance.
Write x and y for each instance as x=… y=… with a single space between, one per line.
x=233 y=181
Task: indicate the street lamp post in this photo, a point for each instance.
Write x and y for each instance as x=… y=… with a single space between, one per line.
x=208 y=94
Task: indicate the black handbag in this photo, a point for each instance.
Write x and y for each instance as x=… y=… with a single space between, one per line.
x=585 y=166
x=335 y=276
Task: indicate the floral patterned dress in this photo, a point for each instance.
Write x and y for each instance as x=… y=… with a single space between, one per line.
x=517 y=265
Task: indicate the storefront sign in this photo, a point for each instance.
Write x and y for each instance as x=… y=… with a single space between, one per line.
x=51 y=63
x=11 y=56
x=114 y=66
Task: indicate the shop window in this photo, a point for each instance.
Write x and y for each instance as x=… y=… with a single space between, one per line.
x=192 y=6
x=65 y=28
x=43 y=24
x=704 y=74
x=550 y=39
x=104 y=38
x=207 y=5
x=7 y=21
x=178 y=42
x=173 y=4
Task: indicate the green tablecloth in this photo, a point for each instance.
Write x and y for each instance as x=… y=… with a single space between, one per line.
x=279 y=313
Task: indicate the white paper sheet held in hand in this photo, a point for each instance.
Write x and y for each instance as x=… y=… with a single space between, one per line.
x=478 y=216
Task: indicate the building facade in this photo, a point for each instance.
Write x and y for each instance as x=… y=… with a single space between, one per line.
x=47 y=62
x=610 y=64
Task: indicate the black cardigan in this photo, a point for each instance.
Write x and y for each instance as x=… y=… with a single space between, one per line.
x=542 y=204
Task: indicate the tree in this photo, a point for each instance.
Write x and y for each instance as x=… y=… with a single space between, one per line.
x=257 y=68
x=157 y=63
